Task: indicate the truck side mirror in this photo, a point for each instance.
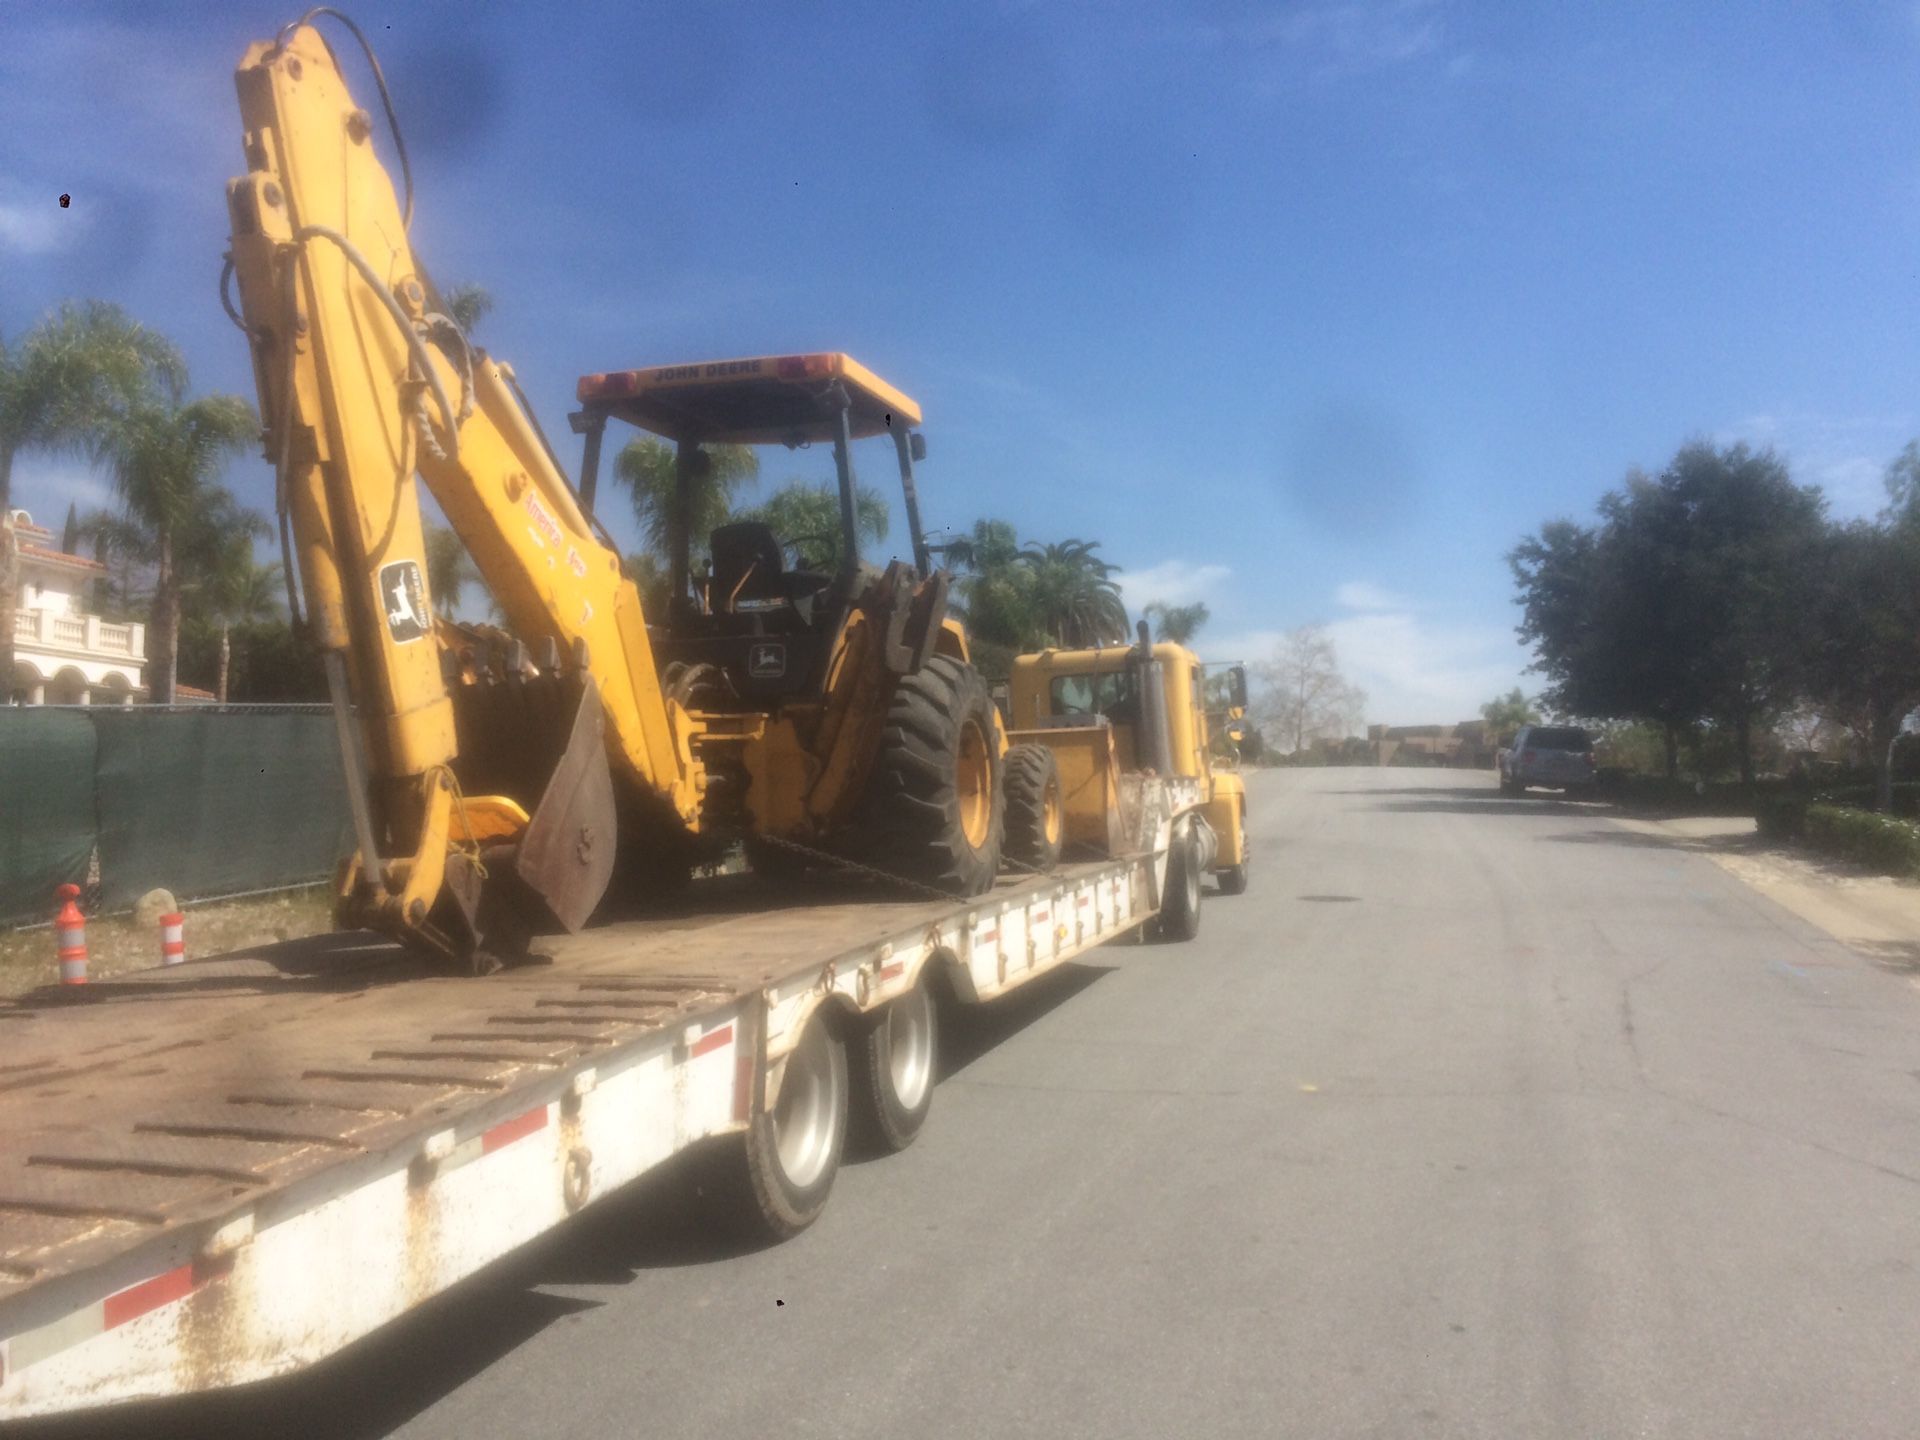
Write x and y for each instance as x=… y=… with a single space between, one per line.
x=1237 y=686
x=917 y=445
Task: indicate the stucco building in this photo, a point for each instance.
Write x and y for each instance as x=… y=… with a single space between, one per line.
x=63 y=655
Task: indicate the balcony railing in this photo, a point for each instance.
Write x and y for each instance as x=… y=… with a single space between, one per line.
x=87 y=634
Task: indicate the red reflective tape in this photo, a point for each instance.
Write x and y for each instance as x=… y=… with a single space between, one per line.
x=149 y=1295
x=893 y=971
x=508 y=1131
x=711 y=1041
x=743 y=1085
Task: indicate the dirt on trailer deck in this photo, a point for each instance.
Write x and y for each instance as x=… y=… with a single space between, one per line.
x=117 y=945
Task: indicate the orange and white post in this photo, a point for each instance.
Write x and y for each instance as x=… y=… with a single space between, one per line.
x=173 y=939
x=70 y=926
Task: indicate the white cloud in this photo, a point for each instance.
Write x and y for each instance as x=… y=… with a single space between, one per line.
x=1171 y=582
x=1417 y=669
x=47 y=487
x=1365 y=595
x=33 y=229
x=1845 y=455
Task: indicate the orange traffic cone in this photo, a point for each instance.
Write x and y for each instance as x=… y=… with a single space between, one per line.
x=173 y=939
x=71 y=927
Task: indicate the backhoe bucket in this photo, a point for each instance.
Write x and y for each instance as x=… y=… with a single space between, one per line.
x=542 y=743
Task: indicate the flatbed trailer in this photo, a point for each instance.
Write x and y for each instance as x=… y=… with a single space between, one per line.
x=227 y=1170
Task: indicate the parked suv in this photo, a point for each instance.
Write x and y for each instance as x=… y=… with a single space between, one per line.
x=1559 y=757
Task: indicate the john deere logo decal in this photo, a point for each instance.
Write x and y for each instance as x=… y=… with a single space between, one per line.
x=403 y=599
x=767 y=661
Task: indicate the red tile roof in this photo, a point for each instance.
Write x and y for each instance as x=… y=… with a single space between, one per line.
x=40 y=552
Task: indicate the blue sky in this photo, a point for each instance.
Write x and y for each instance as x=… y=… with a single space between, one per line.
x=1305 y=310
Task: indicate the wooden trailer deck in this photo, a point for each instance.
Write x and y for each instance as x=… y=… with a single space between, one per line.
x=172 y=1098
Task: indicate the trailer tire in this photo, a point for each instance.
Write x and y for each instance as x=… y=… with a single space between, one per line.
x=895 y=1061
x=1233 y=880
x=1179 y=917
x=1036 y=812
x=791 y=1153
x=934 y=812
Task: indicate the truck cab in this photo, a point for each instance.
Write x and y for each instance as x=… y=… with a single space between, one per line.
x=1101 y=689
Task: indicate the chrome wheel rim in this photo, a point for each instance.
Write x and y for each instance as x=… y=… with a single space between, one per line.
x=803 y=1116
x=909 y=1025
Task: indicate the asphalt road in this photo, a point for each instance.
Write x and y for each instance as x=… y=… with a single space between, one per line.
x=1472 y=1117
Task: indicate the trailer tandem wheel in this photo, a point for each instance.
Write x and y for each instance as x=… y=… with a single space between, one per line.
x=894 y=1062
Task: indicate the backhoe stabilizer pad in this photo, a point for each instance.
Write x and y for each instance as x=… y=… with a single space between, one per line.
x=566 y=855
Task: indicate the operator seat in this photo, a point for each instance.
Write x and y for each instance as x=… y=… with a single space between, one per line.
x=769 y=629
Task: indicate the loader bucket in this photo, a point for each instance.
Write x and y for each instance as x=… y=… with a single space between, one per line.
x=542 y=743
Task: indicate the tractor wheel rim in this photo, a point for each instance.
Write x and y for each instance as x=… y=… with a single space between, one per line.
x=973 y=784
x=1053 y=820
x=803 y=1115
x=910 y=1046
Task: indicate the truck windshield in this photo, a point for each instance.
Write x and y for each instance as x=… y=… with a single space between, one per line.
x=1110 y=695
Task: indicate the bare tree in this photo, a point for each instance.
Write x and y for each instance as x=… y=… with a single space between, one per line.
x=1303 y=694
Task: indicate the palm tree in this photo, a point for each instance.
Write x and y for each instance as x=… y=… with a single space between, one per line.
x=1076 y=601
x=1177 y=623
x=646 y=467
x=800 y=510
x=163 y=458
x=468 y=305
x=449 y=568
x=994 y=589
x=243 y=592
x=82 y=365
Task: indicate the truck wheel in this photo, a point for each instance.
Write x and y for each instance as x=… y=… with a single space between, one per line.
x=792 y=1152
x=893 y=1068
x=1179 y=917
x=935 y=813
x=1036 y=815
x=1233 y=880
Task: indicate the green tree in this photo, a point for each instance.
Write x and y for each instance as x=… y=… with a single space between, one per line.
x=467 y=306
x=163 y=459
x=1176 y=623
x=995 y=593
x=243 y=593
x=1076 y=601
x=810 y=513
x=1688 y=602
x=1506 y=713
x=76 y=370
x=1865 y=668
x=450 y=569
x=649 y=575
x=645 y=466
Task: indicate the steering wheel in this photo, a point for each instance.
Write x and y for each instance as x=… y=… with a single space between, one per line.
x=804 y=562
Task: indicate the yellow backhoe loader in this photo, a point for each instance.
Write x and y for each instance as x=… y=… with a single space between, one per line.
x=500 y=788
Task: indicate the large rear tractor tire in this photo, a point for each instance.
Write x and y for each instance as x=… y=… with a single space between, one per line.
x=934 y=812
x=1233 y=879
x=1036 y=813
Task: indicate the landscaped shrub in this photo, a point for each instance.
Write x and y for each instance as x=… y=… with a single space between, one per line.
x=1880 y=841
x=1780 y=814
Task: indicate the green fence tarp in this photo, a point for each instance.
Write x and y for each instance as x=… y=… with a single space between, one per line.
x=217 y=803
x=46 y=807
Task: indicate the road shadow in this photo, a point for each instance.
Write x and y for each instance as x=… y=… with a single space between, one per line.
x=1896 y=957
x=664 y=1220
x=1742 y=843
x=1489 y=802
